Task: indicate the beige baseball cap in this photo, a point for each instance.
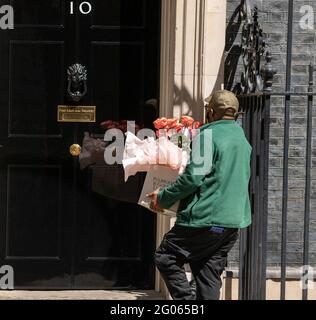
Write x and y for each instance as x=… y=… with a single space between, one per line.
x=222 y=100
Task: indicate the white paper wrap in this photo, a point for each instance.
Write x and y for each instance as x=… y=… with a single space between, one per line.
x=140 y=154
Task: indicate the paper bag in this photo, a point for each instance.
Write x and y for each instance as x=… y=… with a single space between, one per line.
x=158 y=177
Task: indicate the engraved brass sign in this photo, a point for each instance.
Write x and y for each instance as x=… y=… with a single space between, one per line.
x=76 y=114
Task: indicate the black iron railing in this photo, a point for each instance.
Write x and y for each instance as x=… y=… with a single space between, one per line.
x=255 y=99
x=307 y=196
x=253 y=241
x=254 y=96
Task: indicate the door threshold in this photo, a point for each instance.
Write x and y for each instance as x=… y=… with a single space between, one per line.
x=81 y=295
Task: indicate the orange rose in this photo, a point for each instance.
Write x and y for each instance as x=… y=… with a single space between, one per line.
x=187 y=121
x=179 y=127
x=172 y=123
x=161 y=123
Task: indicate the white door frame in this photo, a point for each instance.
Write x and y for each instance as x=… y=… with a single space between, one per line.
x=191 y=67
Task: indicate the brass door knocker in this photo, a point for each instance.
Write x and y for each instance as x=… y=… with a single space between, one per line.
x=77 y=82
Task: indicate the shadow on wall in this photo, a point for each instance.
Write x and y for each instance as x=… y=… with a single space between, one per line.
x=183 y=98
x=232 y=51
x=184 y=102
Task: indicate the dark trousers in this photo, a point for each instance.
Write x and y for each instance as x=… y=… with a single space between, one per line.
x=206 y=252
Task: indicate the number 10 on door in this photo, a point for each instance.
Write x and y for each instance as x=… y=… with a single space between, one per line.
x=84 y=7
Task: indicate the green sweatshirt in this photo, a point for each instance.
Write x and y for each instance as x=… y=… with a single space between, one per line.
x=217 y=195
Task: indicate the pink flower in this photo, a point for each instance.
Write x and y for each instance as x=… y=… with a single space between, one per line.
x=187 y=121
x=161 y=123
x=179 y=127
x=172 y=123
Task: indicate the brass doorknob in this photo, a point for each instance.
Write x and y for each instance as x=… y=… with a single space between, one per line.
x=75 y=150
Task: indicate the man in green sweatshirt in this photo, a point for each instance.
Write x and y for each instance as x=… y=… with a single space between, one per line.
x=214 y=204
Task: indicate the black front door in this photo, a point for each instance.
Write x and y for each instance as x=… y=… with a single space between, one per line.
x=54 y=231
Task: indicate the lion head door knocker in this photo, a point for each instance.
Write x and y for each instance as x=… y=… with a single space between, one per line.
x=77 y=82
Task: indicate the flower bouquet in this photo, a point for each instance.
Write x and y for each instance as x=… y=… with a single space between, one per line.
x=164 y=155
x=168 y=146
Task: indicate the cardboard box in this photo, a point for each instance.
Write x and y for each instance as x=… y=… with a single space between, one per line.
x=158 y=177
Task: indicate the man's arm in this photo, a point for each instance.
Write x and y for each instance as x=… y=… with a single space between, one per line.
x=194 y=174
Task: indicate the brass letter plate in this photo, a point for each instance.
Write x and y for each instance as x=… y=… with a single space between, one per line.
x=76 y=114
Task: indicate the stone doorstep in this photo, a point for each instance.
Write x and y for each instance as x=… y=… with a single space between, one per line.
x=271 y=273
x=80 y=295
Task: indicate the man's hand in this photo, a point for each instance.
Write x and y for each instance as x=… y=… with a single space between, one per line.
x=154 y=202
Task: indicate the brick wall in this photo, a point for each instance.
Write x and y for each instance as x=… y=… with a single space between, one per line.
x=273 y=15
